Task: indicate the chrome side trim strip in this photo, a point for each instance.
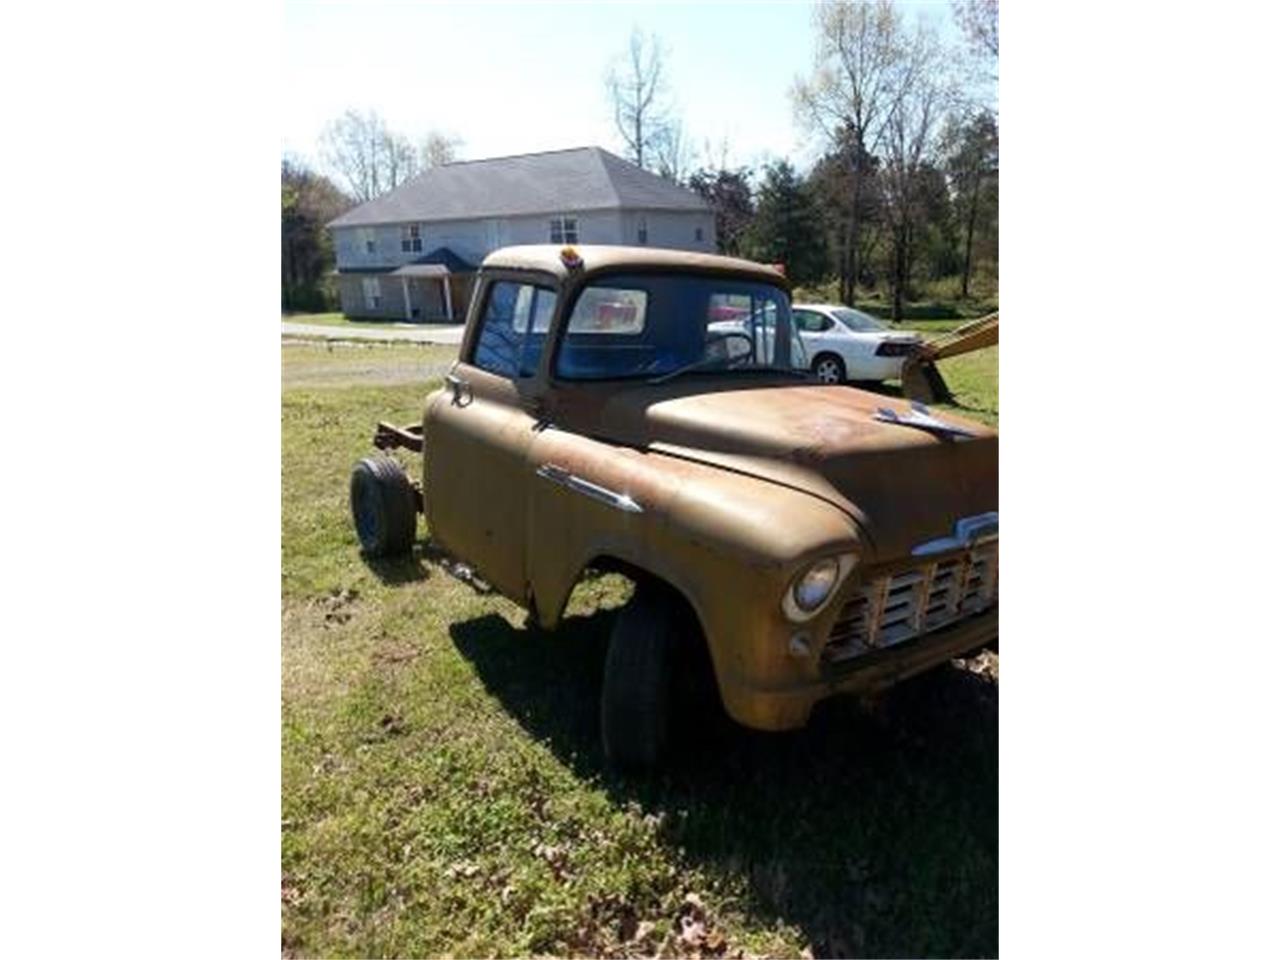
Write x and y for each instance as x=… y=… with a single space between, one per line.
x=970 y=532
x=619 y=501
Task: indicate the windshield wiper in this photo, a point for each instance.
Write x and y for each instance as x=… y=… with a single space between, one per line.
x=708 y=363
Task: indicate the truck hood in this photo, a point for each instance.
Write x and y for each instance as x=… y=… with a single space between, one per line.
x=903 y=485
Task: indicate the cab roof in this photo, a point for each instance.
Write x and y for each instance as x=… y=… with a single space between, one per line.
x=596 y=257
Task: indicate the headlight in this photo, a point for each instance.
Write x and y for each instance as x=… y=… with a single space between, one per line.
x=815 y=585
x=812 y=587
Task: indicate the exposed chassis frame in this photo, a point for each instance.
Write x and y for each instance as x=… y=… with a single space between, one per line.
x=387 y=436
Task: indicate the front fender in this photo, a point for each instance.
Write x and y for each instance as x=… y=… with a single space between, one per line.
x=729 y=542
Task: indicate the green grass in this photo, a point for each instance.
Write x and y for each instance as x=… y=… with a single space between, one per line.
x=444 y=793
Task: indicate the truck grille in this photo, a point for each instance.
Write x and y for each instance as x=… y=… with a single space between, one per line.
x=889 y=610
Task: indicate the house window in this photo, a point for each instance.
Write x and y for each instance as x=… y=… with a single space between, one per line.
x=642 y=231
x=410 y=238
x=372 y=293
x=564 y=229
x=697 y=234
x=365 y=240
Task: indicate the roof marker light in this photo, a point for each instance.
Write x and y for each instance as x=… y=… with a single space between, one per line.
x=569 y=257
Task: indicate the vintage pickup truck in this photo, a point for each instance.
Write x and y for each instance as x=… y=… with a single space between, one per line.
x=802 y=539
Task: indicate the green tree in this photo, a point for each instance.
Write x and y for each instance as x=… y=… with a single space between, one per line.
x=787 y=228
x=972 y=149
x=307 y=202
x=728 y=192
x=852 y=233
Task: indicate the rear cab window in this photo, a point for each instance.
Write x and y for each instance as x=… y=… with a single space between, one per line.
x=645 y=325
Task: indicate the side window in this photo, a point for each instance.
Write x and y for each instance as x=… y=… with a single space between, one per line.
x=741 y=312
x=810 y=322
x=508 y=344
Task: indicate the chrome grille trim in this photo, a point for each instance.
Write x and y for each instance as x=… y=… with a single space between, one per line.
x=892 y=609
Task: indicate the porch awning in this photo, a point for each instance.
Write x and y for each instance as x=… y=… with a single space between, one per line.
x=421 y=270
x=440 y=262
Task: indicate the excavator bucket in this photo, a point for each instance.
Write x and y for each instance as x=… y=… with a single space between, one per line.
x=921 y=379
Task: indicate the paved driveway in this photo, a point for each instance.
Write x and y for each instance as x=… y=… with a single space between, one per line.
x=447 y=334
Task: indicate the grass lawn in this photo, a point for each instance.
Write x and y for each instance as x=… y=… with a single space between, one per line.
x=444 y=790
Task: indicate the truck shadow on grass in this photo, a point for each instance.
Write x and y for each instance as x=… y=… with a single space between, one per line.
x=873 y=836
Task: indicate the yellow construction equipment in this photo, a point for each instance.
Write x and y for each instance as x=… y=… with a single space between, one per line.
x=920 y=377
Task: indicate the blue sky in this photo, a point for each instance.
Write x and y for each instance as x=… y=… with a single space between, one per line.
x=514 y=78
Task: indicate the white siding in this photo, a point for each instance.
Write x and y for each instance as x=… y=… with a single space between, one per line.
x=473 y=240
x=674 y=229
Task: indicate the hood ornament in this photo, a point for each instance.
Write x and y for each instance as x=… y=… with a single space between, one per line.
x=920 y=418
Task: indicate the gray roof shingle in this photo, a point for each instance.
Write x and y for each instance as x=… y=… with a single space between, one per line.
x=583 y=178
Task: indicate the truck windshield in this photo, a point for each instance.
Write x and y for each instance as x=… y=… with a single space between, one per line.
x=649 y=325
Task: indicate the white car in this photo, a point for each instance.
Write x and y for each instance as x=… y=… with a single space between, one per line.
x=846 y=344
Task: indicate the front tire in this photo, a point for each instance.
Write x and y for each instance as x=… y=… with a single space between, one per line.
x=382 y=507
x=637 y=697
x=829 y=368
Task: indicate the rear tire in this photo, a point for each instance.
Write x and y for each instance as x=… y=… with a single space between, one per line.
x=637 y=699
x=383 y=508
x=829 y=368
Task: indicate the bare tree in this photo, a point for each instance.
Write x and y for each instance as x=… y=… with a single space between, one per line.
x=360 y=149
x=924 y=92
x=675 y=155
x=400 y=159
x=979 y=21
x=637 y=87
x=849 y=98
x=439 y=149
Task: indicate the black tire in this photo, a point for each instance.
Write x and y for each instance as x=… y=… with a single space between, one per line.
x=638 y=695
x=382 y=507
x=829 y=361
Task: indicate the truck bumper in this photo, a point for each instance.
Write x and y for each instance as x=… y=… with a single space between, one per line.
x=789 y=708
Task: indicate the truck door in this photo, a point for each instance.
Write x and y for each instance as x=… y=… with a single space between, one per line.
x=478 y=434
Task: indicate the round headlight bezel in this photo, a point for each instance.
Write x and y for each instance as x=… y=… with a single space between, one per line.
x=834 y=568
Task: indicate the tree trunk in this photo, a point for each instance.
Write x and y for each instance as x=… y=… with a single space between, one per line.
x=968 y=240
x=846 y=248
x=855 y=225
x=900 y=241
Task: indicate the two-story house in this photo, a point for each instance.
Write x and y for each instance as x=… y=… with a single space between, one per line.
x=411 y=253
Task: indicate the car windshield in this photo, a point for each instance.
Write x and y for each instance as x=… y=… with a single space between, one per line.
x=654 y=325
x=857 y=321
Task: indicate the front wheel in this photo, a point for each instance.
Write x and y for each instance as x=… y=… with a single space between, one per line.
x=829 y=368
x=637 y=697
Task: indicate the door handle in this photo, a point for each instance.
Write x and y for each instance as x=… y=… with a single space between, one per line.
x=459 y=388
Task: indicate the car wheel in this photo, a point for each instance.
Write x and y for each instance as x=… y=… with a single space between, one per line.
x=829 y=368
x=637 y=697
x=382 y=507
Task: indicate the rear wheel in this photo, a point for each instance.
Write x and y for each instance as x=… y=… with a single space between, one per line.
x=829 y=368
x=383 y=507
x=638 y=696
